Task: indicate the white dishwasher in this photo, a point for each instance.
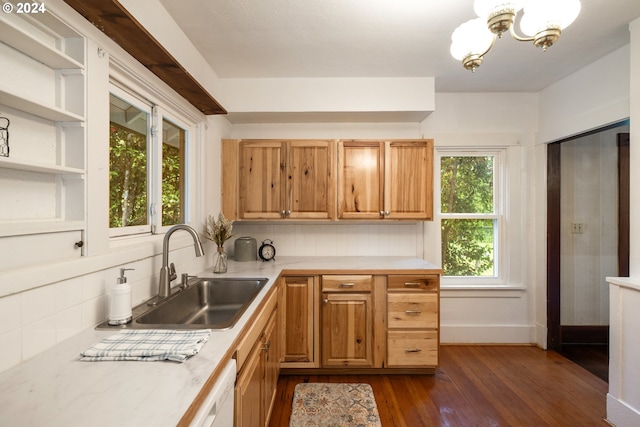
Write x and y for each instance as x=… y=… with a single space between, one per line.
x=217 y=409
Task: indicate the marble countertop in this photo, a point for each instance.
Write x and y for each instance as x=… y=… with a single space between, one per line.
x=54 y=388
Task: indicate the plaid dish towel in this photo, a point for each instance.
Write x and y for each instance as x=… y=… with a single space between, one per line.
x=148 y=345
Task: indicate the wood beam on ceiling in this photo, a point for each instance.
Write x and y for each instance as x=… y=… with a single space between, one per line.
x=117 y=23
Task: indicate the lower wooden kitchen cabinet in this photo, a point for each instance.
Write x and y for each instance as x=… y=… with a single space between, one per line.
x=258 y=359
x=300 y=322
x=336 y=323
x=360 y=322
x=347 y=321
x=413 y=318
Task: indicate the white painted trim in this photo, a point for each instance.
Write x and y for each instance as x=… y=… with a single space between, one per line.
x=487 y=334
x=620 y=414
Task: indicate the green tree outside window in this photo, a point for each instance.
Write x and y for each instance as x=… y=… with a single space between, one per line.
x=467 y=192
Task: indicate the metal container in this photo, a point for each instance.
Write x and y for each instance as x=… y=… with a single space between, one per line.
x=245 y=249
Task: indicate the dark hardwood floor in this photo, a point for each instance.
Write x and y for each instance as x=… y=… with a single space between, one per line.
x=593 y=357
x=478 y=386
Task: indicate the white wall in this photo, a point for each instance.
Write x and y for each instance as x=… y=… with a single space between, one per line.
x=43 y=304
x=593 y=97
x=623 y=399
x=485 y=120
x=503 y=312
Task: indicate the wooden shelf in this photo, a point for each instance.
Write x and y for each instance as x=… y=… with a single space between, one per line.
x=25 y=165
x=17 y=38
x=52 y=113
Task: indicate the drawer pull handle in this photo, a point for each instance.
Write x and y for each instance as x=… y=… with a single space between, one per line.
x=346 y=285
x=413 y=350
x=412 y=284
x=413 y=312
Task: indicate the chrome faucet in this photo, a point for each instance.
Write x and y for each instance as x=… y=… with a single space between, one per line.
x=167 y=273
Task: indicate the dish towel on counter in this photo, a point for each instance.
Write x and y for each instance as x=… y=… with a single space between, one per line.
x=148 y=345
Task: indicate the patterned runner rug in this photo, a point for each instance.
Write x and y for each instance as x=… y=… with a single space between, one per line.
x=334 y=405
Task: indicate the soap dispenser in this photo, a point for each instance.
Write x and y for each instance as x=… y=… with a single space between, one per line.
x=120 y=303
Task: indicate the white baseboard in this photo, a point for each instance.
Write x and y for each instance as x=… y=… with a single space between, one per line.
x=619 y=414
x=487 y=334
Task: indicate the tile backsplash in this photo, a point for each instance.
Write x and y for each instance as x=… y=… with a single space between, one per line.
x=37 y=319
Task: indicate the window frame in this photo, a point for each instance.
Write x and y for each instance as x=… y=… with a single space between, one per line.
x=157 y=114
x=162 y=115
x=148 y=107
x=498 y=215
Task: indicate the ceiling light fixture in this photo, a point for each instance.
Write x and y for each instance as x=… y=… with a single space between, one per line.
x=542 y=22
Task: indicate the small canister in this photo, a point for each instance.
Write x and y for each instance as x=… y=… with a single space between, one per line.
x=245 y=249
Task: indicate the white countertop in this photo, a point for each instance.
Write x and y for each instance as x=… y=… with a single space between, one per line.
x=54 y=388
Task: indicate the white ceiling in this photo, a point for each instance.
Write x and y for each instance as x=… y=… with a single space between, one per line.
x=387 y=38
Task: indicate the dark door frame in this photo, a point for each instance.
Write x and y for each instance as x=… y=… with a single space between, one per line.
x=554 y=179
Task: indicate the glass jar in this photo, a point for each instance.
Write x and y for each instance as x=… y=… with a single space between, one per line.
x=220 y=261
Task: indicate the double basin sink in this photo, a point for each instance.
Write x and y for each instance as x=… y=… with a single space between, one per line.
x=206 y=303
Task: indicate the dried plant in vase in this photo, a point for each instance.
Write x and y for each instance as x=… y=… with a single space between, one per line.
x=219 y=230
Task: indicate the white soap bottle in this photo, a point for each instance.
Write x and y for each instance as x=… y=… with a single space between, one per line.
x=120 y=301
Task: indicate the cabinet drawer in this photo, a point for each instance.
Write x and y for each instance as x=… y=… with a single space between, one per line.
x=412 y=310
x=399 y=282
x=412 y=348
x=346 y=283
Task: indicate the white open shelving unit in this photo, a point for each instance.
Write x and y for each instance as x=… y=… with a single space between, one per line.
x=43 y=94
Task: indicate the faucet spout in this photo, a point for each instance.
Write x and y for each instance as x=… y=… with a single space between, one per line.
x=164 y=287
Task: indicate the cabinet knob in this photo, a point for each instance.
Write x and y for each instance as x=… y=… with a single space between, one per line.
x=381 y=213
x=413 y=312
x=413 y=350
x=325 y=301
x=346 y=285
x=287 y=213
x=267 y=345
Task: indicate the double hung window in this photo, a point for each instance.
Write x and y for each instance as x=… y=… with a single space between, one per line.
x=471 y=214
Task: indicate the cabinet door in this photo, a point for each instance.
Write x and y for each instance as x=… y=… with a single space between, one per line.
x=310 y=180
x=262 y=194
x=299 y=318
x=360 y=179
x=271 y=366
x=346 y=330
x=409 y=179
x=249 y=392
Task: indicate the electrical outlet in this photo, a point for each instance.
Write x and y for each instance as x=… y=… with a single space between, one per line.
x=578 y=227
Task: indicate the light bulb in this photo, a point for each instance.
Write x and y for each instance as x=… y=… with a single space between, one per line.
x=470 y=38
x=542 y=15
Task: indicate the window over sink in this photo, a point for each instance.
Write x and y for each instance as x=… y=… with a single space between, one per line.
x=147 y=166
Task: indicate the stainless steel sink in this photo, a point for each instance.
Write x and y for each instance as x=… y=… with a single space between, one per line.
x=207 y=303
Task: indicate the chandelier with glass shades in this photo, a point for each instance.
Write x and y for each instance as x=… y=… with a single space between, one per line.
x=542 y=21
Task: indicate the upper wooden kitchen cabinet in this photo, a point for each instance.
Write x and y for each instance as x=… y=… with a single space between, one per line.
x=273 y=179
x=385 y=179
